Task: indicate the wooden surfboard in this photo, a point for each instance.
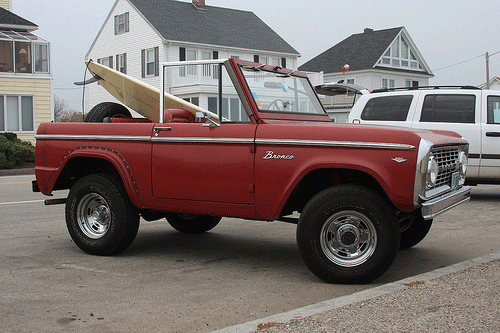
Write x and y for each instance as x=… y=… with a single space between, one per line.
x=139 y=96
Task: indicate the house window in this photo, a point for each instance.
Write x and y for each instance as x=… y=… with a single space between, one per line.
x=400 y=54
x=23 y=57
x=388 y=83
x=191 y=55
x=6 y=56
x=108 y=61
x=193 y=100
x=150 y=59
x=41 y=58
x=16 y=113
x=276 y=62
x=350 y=81
x=121 y=24
x=121 y=63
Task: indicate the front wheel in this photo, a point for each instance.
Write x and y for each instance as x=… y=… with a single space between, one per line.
x=191 y=223
x=348 y=234
x=413 y=229
x=100 y=217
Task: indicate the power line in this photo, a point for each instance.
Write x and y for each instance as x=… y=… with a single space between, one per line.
x=459 y=63
x=462 y=62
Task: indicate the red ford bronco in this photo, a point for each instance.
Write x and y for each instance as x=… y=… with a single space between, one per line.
x=357 y=194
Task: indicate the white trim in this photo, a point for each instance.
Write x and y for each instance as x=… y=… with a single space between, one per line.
x=227 y=48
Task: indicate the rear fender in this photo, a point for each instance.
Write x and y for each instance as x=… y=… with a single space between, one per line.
x=108 y=154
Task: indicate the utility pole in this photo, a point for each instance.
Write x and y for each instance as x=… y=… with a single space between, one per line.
x=487 y=71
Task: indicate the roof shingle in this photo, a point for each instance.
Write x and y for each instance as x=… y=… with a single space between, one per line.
x=7 y=18
x=360 y=51
x=182 y=21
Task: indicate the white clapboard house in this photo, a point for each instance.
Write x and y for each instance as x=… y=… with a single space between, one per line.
x=137 y=35
x=377 y=59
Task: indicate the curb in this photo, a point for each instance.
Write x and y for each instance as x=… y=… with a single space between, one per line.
x=364 y=295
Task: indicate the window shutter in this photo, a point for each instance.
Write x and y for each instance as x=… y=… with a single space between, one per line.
x=110 y=61
x=116 y=25
x=157 y=61
x=283 y=62
x=126 y=23
x=124 y=63
x=143 y=63
x=215 y=55
x=182 y=54
x=117 y=63
x=255 y=58
x=99 y=60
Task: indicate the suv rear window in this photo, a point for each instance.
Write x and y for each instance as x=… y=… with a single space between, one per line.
x=391 y=108
x=448 y=109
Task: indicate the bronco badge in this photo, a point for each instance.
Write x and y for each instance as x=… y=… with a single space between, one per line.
x=270 y=155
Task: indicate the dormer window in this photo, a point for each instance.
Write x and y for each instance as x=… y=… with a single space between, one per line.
x=121 y=24
x=400 y=54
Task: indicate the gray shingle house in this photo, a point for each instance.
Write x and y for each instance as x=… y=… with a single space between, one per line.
x=137 y=35
x=377 y=59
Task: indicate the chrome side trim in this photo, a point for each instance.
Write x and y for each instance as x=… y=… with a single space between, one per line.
x=321 y=143
x=376 y=145
x=204 y=140
x=92 y=137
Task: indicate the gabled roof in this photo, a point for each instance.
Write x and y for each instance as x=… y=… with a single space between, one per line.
x=183 y=22
x=9 y=20
x=361 y=51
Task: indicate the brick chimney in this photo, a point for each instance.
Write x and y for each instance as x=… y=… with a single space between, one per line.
x=368 y=30
x=199 y=4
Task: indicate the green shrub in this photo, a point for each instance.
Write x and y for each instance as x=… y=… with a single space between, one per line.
x=14 y=152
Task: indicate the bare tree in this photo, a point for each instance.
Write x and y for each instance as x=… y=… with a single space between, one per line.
x=63 y=113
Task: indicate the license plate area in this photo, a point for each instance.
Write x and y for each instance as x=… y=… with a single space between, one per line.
x=455 y=180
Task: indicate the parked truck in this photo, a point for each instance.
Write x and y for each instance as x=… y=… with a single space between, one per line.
x=271 y=153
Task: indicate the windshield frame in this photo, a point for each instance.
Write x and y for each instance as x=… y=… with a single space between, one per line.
x=244 y=66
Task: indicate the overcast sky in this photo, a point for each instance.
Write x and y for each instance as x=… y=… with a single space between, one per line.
x=446 y=32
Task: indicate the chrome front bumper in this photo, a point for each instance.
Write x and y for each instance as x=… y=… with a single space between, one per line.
x=441 y=204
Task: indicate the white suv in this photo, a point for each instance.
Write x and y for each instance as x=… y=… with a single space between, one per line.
x=469 y=111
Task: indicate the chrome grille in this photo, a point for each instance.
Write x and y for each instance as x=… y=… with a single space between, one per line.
x=447 y=160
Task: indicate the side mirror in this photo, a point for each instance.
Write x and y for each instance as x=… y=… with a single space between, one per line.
x=202 y=117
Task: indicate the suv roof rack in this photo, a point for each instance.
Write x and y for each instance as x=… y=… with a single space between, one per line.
x=424 y=87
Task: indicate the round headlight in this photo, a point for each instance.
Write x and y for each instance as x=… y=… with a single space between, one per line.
x=462 y=159
x=432 y=171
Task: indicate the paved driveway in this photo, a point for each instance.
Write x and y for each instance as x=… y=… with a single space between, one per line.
x=171 y=282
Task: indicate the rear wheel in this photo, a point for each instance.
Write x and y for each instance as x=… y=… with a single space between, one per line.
x=105 y=110
x=191 y=223
x=100 y=217
x=348 y=234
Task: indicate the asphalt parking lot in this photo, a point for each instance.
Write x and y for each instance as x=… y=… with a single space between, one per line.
x=171 y=282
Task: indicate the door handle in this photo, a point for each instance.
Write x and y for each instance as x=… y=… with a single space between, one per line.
x=158 y=129
x=493 y=134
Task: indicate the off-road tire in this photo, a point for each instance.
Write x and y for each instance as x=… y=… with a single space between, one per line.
x=100 y=217
x=413 y=230
x=348 y=234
